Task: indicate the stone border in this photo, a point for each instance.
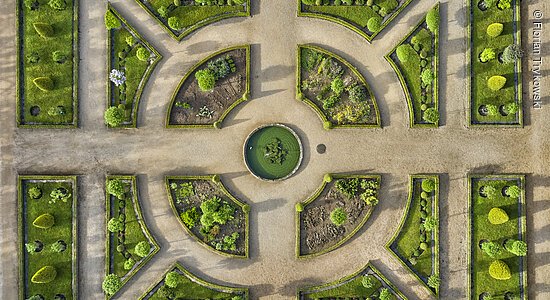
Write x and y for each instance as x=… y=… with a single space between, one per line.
x=298 y=165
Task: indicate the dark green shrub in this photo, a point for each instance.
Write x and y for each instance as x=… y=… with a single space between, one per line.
x=337 y=86
x=495 y=29
x=348 y=187
x=163 y=12
x=111 y=284
x=142 y=249
x=175 y=23
x=428 y=185
x=143 y=54
x=513 y=191
x=44 y=83
x=44 y=221
x=115 y=187
x=511 y=54
x=427 y=77
x=374 y=24
x=58 y=4
x=489 y=191
x=330 y=101
x=129 y=264
x=59 y=194
x=496 y=82
x=172 y=279
x=190 y=217
x=215 y=211
x=114 y=116
x=45 y=274
x=518 y=248
x=431 y=224
x=492 y=249
x=115 y=225
x=499 y=270
x=498 y=216
x=357 y=93
x=432 y=20
x=111 y=21
x=434 y=281
x=404 y=53
x=166 y=293
x=338 y=216
x=369 y=281
x=35 y=192
x=206 y=79
x=488 y=54
x=431 y=115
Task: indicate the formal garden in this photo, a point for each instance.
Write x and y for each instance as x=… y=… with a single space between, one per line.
x=129 y=245
x=130 y=61
x=334 y=89
x=47 y=63
x=416 y=243
x=495 y=63
x=497 y=229
x=48 y=237
x=416 y=61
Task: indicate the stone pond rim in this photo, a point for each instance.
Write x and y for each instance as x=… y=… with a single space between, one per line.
x=255 y=158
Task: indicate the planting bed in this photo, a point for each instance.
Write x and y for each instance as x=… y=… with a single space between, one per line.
x=190 y=15
x=210 y=214
x=135 y=59
x=121 y=257
x=47 y=66
x=193 y=106
x=48 y=264
x=367 y=283
x=334 y=89
x=497 y=219
x=497 y=103
x=416 y=242
x=189 y=286
x=317 y=232
x=416 y=61
x=366 y=17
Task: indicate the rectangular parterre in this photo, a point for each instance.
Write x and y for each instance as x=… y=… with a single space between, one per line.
x=48 y=237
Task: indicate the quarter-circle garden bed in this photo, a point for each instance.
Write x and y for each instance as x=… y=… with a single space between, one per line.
x=334 y=89
x=210 y=214
x=273 y=152
x=211 y=89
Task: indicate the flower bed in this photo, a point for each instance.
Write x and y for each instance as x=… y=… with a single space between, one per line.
x=336 y=212
x=48 y=237
x=334 y=89
x=416 y=243
x=47 y=66
x=497 y=228
x=210 y=214
x=366 y=17
x=130 y=61
x=416 y=61
x=211 y=89
x=126 y=229
x=182 y=17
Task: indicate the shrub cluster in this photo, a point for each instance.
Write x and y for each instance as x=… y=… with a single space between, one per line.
x=215 y=70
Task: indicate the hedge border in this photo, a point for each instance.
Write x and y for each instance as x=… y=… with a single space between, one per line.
x=314 y=197
x=403 y=82
x=141 y=221
x=20 y=71
x=300 y=96
x=244 y=98
x=197 y=26
x=435 y=212
x=518 y=70
x=338 y=282
x=522 y=219
x=146 y=75
x=20 y=199
x=197 y=280
x=348 y=25
x=229 y=195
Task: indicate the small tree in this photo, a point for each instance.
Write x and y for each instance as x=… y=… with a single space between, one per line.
x=374 y=24
x=142 y=249
x=35 y=192
x=206 y=79
x=491 y=248
x=518 y=248
x=431 y=115
x=511 y=54
x=431 y=224
x=162 y=11
x=404 y=52
x=111 y=284
x=115 y=225
x=115 y=187
x=434 y=281
x=143 y=54
x=111 y=21
x=432 y=20
x=129 y=264
x=172 y=279
x=166 y=292
x=174 y=23
x=337 y=86
x=114 y=116
x=338 y=216
x=489 y=191
x=427 y=77
x=513 y=191
x=488 y=54
x=369 y=281
x=428 y=185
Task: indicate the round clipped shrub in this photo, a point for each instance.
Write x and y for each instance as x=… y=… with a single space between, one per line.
x=115 y=187
x=111 y=21
x=142 y=249
x=499 y=270
x=489 y=191
x=206 y=79
x=431 y=224
x=115 y=225
x=495 y=29
x=424 y=246
x=111 y=284
x=43 y=83
x=369 y=281
x=428 y=185
x=114 y=116
x=374 y=24
x=129 y=264
x=432 y=20
x=488 y=54
x=172 y=279
x=491 y=248
x=299 y=207
x=338 y=216
x=516 y=247
x=403 y=52
x=46 y=274
x=166 y=293
x=143 y=54
x=327 y=178
x=216 y=179
x=35 y=192
x=511 y=108
x=174 y=23
x=431 y=115
x=44 y=221
x=427 y=77
x=513 y=191
x=492 y=110
x=496 y=82
x=58 y=4
x=44 y=30
x=498 y=216
x=327 y=125
x=246 y=208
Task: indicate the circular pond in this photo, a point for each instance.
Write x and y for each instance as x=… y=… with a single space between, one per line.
x=273 y=152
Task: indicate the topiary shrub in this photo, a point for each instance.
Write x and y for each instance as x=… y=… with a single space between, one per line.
x=190 y=217
x=59 y=246
x=518 y=248
x=44 y=30
x=488 y=54
x=299 y=207
x=374 y=24
x=327 y=125
x=175 y=23
x=431 y=115
x=498 y=216
x=489 y=191
x=44 y=84
x=172 y=279
x=427 y=77
x=496 y=82
x=206 y=79
x=495 y=29
x=338 y=216
x=432 y=20
x=46 y=274
x=44 y=221
x=492 y=249
x=511 y=108
x=511 y=54
x=34 y=193
x=130 y=41
x=369 y=281
x=162 y=11
x=404 y=52
x=142 y=249
x=431 y=224
x=115 y=225
x=327 y=178
x=58 y=4
x=143 y=54
x=129 y=264
x=111 y=284
x=111 y=21
x=114 y=116
x=513 y=191
x=499 y=270
x=115 y=187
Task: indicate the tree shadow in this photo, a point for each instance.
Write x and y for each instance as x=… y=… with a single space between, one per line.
x=291 y=289
x=274 y=73
x=202 y=47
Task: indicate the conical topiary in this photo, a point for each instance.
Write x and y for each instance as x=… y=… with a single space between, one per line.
x=498 y=216
x=499 y=270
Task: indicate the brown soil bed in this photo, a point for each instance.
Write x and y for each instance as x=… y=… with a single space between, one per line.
x=205 y=189
x=317 y=232
x=225 y=93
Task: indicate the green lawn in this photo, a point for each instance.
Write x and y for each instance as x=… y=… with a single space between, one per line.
x=481 y=228
x=358 y=15
x=481 y=72
x=62 y=230
x=65 y=91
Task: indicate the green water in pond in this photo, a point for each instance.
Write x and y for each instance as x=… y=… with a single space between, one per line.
x=272 y=152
